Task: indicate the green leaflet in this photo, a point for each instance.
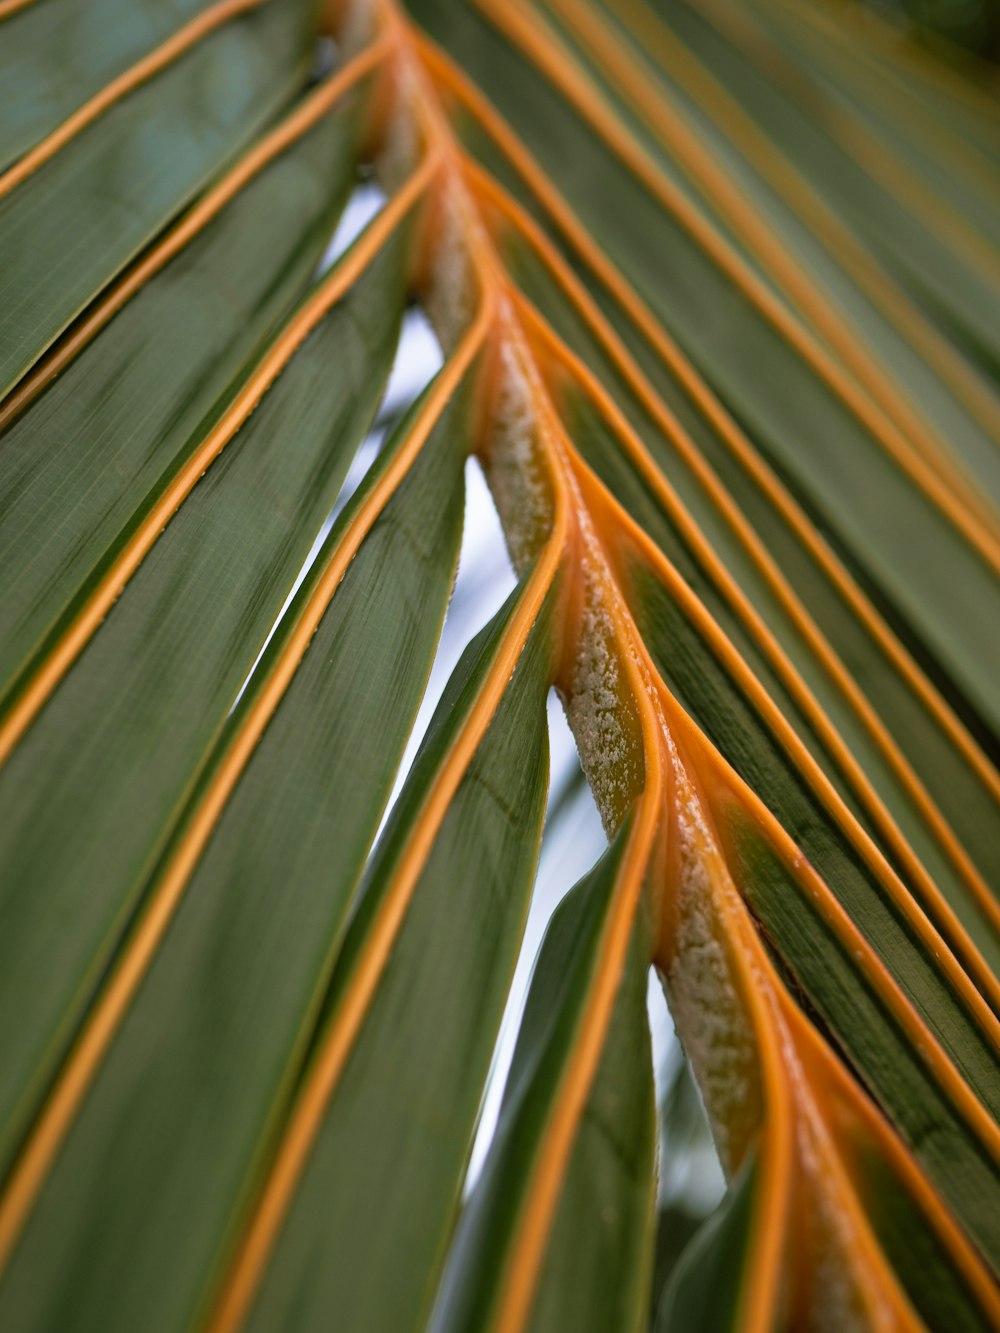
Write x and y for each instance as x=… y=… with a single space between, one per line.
x=966 y=189
x=824 y=968
x=596 y=1269
x=960 y=793
x=160 y=1172
x=166 y=1147
x=368 y=1226
x=936 y=1289
x=73 y=224
x=972 y=125
x=703 y=1295
x=676 y=1226
x=600 y=449
x=955 y=290
x=112 y=756
x=55 y=56
x=89 y=457
x=936 y=582
x=957 y=429
x=684 y=1203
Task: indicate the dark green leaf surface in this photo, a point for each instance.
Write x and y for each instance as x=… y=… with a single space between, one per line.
x=117 y=748
x=935 y=1287
x=940 y=166
x=676 y=1226
x=202 y=1067
x=703 y=1295
x=87 y=459
x=56 y=55
x=75 y=222
x=933 y=266
x=946 y=100
x=685 y=1199
x=612 y=1163
x=382 y=1186
x=598 y=1263
x=835 y=286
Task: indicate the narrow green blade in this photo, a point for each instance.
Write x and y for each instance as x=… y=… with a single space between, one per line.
x=603 y=1227
x=56 y=55
x=77 y=220
x=182 y=1113
x=87 y=459
x=597 y=1267
x=382 y=1185
x=112 y=756
x=703 y=1295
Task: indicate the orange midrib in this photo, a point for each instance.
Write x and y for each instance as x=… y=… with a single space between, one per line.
x=523 y=1261
x=10 y=7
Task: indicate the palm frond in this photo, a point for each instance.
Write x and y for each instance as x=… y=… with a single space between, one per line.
x=716 y=291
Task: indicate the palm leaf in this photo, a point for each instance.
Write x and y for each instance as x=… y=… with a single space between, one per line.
x=715 y=292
